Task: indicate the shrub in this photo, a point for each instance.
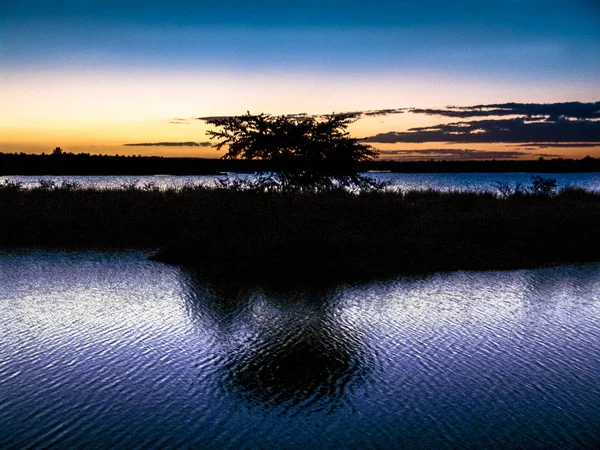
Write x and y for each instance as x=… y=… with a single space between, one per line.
x=543 y=186
x=306 y=154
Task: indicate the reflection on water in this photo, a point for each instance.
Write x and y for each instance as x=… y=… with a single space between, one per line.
x=111 y=350
x=296 y=353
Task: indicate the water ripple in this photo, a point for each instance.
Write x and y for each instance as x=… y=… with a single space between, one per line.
x=101 y=350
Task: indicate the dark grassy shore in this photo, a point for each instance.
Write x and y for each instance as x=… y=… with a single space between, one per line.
x=267 y=235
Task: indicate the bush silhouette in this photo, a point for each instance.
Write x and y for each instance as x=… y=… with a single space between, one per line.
x=540 y=186
x=306 y=154
x=543 y=186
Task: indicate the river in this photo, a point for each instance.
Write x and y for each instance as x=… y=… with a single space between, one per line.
x=105 y=350
x=402 y=181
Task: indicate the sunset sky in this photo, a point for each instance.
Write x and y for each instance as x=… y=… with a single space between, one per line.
x=92 y=76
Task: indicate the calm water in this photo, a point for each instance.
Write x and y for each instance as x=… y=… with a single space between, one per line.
x=99 y=350
x=404 y=181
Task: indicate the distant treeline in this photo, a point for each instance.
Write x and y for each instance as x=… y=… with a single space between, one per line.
x=61 y=163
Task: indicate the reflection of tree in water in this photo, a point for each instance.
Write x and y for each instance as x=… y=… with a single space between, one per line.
x=300 y=353
x=297 y=367
x=216 y=305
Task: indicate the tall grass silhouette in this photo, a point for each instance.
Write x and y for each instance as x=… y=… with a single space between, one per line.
x=255 y=234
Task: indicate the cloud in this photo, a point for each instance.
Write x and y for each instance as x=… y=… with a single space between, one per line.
x=178 y=121
x=300 y=116
x=384 y=112
x=457 y=154
x=543 y=123
x=552 y=111
x=562 y=145
x=501 y=130
x=209 y=118
x=540 y=111
x=170 y=144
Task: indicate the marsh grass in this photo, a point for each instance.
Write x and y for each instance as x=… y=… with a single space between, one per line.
x=249 y=233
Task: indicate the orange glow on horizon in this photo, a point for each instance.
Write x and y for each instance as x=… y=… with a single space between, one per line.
x=99 y=112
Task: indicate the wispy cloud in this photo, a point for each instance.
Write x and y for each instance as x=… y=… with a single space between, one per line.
x=457 y=154
x=208 y=118
x=169 y=144
x=297 y=116
x=544 y=111
x=540 y=124
x=562 y=145
x=178 y=121
x=502 y=130
x=384 y=112
x=300 y=116
x=551 y=111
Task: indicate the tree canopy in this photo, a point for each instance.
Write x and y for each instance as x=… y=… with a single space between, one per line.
x=307 y=154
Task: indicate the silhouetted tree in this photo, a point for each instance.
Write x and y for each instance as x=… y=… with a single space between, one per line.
x=306 y=154
x=544 y=187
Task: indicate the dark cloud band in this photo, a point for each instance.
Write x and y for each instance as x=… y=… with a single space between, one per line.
x=552 y=111
x=562 y=145
x=546 y=111
x=458 y=154
x=498 y=131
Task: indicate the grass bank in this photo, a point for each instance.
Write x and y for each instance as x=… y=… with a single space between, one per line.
x=266 y=235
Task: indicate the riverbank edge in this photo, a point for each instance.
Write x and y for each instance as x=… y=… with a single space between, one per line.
x=261 y=236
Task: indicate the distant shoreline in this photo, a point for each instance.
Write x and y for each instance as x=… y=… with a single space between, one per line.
x=85 y=164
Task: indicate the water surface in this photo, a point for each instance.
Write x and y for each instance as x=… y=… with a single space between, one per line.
x=404 y=181
x=109 y=349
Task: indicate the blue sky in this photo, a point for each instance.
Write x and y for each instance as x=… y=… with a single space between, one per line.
x=555 y=38
x=137 y=61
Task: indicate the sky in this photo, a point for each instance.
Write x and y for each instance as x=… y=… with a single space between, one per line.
x=523 y=76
